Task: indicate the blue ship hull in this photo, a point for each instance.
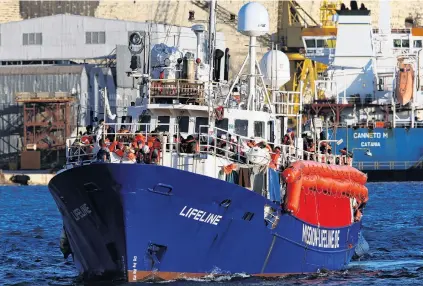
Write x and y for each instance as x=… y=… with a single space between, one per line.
x=397 y=153
x=141 y=221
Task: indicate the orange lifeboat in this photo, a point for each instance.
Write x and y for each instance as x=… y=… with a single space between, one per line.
x=405 y=83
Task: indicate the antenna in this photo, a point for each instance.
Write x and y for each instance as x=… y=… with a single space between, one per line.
x=253 y=21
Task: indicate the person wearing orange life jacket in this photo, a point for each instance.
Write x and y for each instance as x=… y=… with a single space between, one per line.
x=155 y=150
x=119 y=151
x=191 y=145
x=288 y=139
x=138 y=139
x=112 y=146
x=274 y=158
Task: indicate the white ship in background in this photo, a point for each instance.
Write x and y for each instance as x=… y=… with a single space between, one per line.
x=371 y=94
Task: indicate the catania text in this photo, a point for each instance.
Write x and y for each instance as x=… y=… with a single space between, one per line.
x=200 y=215
x=325 y=238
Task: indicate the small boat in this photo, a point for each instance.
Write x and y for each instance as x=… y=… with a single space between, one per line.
x=405 y=83
x=207 y=186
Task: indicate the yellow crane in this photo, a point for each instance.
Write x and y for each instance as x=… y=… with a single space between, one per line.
x=327 y=10
x=292 y=20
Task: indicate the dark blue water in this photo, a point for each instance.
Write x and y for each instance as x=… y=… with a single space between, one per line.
x=30 y=227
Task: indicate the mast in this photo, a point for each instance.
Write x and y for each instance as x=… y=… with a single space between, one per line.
x=212 y=35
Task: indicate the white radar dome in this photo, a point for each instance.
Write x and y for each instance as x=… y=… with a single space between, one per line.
x=253 y=20
x=275 y=68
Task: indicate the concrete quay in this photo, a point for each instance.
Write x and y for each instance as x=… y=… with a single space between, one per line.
x=34 y=177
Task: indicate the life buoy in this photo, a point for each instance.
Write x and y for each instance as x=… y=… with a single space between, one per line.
x=85 y=140
x=219 y=112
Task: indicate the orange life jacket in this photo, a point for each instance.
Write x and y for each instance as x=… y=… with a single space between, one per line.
x=138 y=139
x=85 y=140
x=157 y=145
x=112 y=146
x=150 y=141
x=119 y=152
x=274 y=160
x=229 y=168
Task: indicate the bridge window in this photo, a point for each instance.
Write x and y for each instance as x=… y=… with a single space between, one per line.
x=221 y=124
x=200 y=121
x=311 y=43
x=145 y=121
x=417 y=43
x=405 y=43
x=241 y=127
x=258 y=129
x=183 y=124
x=163 y=123
x=401 y=43
x=318 y=43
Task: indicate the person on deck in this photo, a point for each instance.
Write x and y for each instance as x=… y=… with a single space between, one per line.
x=191 y=145
x=103 y=155
x=110 y=133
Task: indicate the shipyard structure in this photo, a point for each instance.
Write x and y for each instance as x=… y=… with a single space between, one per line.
x=62 y=73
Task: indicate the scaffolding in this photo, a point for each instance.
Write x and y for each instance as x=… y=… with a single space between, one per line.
x=47 y=124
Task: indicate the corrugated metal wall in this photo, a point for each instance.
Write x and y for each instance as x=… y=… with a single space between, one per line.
x=37 y=79
x=30 y=79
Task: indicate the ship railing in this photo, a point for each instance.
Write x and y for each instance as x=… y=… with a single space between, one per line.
x=407 y=124
x=79 y=152
x=394 y=31
x=388 y=165
x=177 y=91
x=230 y=149
x=327 y=158
x=287 y=103
x=83 y=149
x=380 y=124
x=326 y=89
x=235 y=150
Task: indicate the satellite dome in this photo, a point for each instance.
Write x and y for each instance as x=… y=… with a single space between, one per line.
x=275 y=68
x=253 y=20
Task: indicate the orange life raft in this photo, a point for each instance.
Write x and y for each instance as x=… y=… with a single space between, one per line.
x=332 y=180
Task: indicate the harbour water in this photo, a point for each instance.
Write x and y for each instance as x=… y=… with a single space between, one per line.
x=30 y=227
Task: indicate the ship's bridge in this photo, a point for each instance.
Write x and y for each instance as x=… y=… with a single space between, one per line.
x=404 y=41
x=319 y=43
